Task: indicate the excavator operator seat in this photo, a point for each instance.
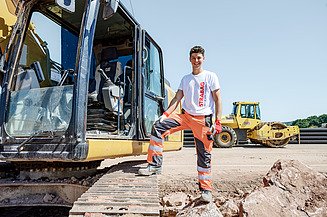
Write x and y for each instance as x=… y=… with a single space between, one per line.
x=110 y=90
x=110 y=64
x=26 y=79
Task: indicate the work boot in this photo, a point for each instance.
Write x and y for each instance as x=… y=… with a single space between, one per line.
x=149 y=170
x=206 y=196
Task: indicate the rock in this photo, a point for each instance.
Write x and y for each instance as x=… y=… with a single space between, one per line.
x=175 y=202
x=73 y=179
x=4 y=201
x=239 y=192
x=85 y=183
x=48 y=198
x=229 y=209
x=197 y=209
x=290 y=189
x=220 y=200
x=176 y=199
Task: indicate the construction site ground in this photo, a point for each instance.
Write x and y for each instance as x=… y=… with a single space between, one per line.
x=234 y=170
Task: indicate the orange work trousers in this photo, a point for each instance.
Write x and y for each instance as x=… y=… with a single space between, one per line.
x=200 y=126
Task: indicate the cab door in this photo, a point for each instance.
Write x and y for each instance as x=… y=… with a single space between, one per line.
x=153 y=84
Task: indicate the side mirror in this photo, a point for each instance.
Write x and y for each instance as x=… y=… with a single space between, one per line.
x=110 y=8
x=68 y=5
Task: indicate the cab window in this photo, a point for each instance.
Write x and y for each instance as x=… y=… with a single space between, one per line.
x=153 y=70
x=247 y=111
x=153 y=83
x=258 y=115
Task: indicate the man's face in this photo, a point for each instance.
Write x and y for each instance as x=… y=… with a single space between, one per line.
x=196 y=60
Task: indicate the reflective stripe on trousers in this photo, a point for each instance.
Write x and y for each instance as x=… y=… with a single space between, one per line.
x=199 y=126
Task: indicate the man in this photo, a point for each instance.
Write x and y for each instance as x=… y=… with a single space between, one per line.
x=201 y=92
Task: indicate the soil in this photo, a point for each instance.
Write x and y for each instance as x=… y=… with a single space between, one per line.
x=235 y=171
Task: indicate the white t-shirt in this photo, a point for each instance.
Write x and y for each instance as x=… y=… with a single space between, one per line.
x=197 y=90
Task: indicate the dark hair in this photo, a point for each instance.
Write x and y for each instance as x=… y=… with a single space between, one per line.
x=197 y=49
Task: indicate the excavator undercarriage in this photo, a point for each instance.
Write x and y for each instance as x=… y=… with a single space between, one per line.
x=115 y=190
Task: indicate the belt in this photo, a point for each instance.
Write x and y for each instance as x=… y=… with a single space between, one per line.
x=206 y=116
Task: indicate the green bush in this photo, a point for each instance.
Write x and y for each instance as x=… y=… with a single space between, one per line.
x=311 y=122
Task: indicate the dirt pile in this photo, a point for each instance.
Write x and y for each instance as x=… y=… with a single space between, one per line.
x=175 y=202
x=185 y=205
x=198 y=209
x=182 y=205
x=290 y=189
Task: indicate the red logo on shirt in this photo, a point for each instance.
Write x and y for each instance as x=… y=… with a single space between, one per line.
x=201 y=98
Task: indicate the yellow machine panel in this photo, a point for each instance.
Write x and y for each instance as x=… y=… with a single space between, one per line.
x=100 y=148
x=7 y=20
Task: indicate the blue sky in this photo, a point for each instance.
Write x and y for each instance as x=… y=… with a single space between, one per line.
x=271 y=51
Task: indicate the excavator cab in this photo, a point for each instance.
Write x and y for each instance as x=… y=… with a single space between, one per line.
x=82 y=82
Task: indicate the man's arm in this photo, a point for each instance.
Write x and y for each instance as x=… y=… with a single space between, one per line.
x=174 y=102
x=218 y=105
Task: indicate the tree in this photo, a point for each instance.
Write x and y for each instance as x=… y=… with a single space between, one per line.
x=311 y=122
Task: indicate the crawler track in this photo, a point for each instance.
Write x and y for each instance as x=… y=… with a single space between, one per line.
x=113 y=191
x=120 y=191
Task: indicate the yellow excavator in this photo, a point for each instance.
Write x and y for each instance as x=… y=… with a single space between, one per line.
x=7 y=21
x=87 y=86
x=244 y=124
x=82 y=82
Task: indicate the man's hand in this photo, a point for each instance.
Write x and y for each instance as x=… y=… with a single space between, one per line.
x=216 y=128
